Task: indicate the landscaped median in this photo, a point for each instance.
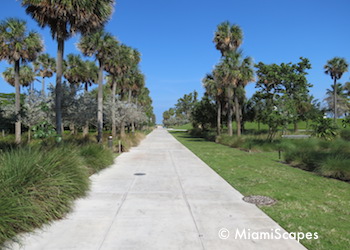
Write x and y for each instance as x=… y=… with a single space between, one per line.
x=306 y=202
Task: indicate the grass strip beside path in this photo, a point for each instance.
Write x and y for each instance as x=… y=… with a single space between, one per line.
x=306 y=202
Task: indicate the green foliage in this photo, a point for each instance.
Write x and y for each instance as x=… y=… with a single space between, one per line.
x=283 y=96
x=324 y=128
x=345 y=134
x=336 y=167
x=204 y=113
x=346 y=121
x=43 y=130
x=181 y=114
x=327 y=158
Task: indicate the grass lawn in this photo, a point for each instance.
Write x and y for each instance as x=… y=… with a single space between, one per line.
x=306 y=202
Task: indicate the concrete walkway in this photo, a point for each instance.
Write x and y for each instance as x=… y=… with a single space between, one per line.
x=180 y=203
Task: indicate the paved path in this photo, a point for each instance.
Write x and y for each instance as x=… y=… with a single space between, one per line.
x=180 y=203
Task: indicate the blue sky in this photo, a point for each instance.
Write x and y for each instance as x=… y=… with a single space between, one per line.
x=175 y=38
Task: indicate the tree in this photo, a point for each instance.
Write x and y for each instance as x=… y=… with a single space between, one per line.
x=26 y=76
x=18 y=46
x=101 y=45
x=90 y=75
x=283 y=93
x=66 y=18
x=44 y=65
x=204 y=113
x=215 y=89
x=246 y=76
x=36 y=110
x=336 y=67
x=343 y=105
x=228 y=73
x=227 y=39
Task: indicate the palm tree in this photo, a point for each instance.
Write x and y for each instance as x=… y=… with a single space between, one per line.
x=336 y=67
x=26 y=76
x=118 y=68
x=101 y=45
x=228 y=73
x=214 y=88
x=66 y=18
x=44 y=65
x=18 y=46
x=228 y=37
x=246 y=76
x=90 y=74
x=74 y=69
x=341 y=97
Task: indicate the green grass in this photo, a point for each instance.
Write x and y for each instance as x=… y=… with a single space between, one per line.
x=306 y=202
x=185 y=126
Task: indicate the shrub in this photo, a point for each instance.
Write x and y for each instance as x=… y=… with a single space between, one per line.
x=325 y=129
x=345 y=134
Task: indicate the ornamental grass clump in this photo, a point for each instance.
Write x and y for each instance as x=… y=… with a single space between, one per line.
x=95 y=157
x=38 y=186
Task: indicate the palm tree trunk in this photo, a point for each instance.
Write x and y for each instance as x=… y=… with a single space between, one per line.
x=17 y=104
x=335 y=100
x=295 y=126
x=129 y=98
x=114 y=126
x=58 y=89
x=29 y=134
x=43 y=86
x=237 y=113
x=100 y=104
x=229 y=115
x=122 y=129
x=218 y=129
x=86 y=126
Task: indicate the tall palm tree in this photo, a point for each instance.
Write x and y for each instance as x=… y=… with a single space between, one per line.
x=227 y=39
x=341 y=97
x=66 y=18
x=228 y=73
x=101 y=45
x=18 y=46
x=118 y=68
x=336 y=67
x=45 y=66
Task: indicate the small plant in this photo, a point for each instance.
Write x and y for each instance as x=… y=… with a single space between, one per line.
x=324 y=128
x=43 y=130
x=346 y=121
